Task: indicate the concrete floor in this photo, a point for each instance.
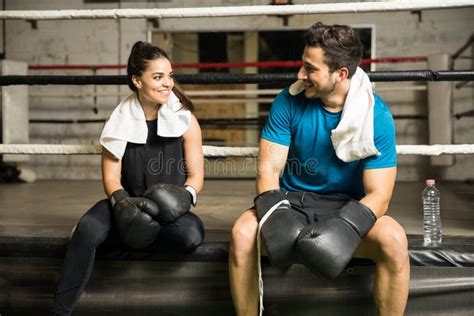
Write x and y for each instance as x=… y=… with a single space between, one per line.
x=54 y=207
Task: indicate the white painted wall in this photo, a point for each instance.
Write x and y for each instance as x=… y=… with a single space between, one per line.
x=109 y=42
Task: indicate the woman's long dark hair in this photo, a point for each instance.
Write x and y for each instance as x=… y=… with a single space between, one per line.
x=141 y=54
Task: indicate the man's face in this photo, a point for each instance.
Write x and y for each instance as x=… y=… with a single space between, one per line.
x=319 y=82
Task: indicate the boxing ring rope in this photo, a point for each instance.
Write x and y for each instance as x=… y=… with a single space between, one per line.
x=223 y=78
x=231 y=11
x=217 y=151
x=219 y=65
x=258 y=64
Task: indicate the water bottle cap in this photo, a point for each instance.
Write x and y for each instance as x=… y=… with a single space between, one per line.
x=430 y=182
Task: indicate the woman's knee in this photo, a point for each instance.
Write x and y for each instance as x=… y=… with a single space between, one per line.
x=195 y=234
x=94 y=226
x=244 y=234
x=184 y=235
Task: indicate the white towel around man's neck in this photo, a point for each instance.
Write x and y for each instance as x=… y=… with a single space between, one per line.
x=127 y=123
x=353 y=138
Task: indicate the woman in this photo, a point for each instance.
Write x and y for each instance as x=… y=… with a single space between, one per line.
x=152 y=170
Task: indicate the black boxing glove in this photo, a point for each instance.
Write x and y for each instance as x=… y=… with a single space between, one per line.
x=326 y=247
x=280 y=227
x=134 y=219
x=172 y=200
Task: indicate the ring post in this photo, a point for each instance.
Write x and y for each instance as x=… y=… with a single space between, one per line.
x=440 y=96
x=14 y=110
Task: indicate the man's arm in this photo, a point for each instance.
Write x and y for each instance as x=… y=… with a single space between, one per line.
x=280 y=224
x=271 y=161
x=378 y=185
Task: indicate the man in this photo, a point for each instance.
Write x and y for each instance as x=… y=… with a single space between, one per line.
x=297 y=138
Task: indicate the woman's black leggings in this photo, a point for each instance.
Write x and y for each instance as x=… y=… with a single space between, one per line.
x=96 y=227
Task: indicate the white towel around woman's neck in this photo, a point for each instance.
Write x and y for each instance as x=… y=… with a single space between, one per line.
x=127 y=123
x=353 y=138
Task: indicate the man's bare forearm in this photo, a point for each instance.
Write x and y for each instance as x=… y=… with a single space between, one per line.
x=377 y=202
x=267 y=182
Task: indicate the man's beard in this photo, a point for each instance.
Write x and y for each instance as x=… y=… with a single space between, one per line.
x=316 y=92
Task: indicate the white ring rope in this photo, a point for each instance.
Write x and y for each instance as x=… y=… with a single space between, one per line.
x=217 y=151
x=349 y=7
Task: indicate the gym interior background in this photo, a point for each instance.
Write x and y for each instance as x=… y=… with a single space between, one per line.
x=230 y=39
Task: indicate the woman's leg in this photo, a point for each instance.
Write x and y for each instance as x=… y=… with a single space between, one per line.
x=91 y=231
x=185 y=234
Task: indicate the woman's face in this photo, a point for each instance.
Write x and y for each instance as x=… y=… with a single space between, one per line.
x=156 y=82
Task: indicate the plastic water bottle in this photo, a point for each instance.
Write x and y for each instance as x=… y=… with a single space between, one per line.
x=432 y=232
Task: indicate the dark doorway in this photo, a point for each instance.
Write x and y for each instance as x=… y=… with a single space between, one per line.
x=213 y=49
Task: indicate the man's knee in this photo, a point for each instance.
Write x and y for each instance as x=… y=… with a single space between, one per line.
x=392 y=243
x=244 y=233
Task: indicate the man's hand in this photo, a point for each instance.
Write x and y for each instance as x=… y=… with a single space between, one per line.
x=326 y=247
x=280 y=228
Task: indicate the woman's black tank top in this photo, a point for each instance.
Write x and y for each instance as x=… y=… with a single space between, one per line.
x=160 y=160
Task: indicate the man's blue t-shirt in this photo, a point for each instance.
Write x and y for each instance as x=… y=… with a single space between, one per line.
x=312 y=165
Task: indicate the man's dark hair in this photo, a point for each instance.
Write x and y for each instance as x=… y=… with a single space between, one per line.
x=340 y=43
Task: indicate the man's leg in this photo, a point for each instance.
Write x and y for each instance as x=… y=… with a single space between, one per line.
x=387 y=245
x=243 y=264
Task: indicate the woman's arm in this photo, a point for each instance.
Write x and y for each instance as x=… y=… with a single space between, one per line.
x=193 y=155
x=111 y=172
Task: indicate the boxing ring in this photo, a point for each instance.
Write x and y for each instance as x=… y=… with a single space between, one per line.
x=138 y=282
x=131 y=282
